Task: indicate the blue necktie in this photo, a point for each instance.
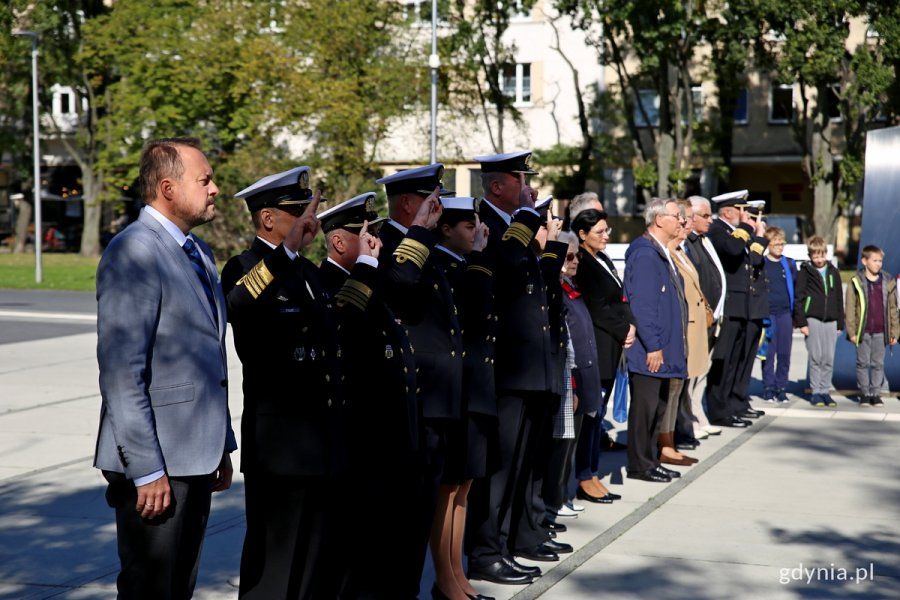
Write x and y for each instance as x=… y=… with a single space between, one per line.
x=190 y=248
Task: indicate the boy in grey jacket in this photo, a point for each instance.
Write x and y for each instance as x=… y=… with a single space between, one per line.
x=872 y=322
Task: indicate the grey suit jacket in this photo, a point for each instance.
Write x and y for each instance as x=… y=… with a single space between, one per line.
x=163 y=373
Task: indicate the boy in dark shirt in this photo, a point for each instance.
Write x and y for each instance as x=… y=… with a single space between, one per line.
x=872 y=323
x=819 y=313
x=780 y=271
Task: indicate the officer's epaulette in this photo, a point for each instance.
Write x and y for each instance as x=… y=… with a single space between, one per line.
x=519 y=232
x=354 y=293
x=257 y=279
x=410 y=249
x=741 y=234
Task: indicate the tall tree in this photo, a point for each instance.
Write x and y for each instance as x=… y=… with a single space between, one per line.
x=833 y=79
x=60 y=26
x=652 y=47
x=478 y=58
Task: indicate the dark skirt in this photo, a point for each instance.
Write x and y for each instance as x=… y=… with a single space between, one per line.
x=472 y=449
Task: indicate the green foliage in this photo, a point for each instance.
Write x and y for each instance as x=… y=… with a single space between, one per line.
x=646 y=175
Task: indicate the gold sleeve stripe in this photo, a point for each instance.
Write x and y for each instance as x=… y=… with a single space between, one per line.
x=480 y=269
x=519 y=232
x=552 y=255
x=410 y=249
x=741 y=235
x=756 y=247
x=355 y=294
x=257 y=279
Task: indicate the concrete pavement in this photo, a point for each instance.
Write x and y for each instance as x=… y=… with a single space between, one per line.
x=803 y=489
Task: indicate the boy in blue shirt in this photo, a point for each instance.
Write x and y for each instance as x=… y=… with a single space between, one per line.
x=780 y=271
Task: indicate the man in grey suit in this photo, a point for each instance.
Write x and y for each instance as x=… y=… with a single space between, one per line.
x=165 y=429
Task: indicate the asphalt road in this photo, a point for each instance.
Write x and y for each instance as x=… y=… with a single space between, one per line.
x=27 y=315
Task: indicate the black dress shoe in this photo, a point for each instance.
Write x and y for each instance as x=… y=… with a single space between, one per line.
x=687 y=445
x=480 y=597
x=520 y=568
x=749 y=415
x=551 y=526
x=650 y=475
x=731 y=422
x=558 y=547
x=612 y=496
x=664 y=471
x=756 y=411
x=583 y=495
x=538 y=553
x=499 y=572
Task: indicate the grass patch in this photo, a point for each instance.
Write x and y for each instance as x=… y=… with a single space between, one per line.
x=60 y=272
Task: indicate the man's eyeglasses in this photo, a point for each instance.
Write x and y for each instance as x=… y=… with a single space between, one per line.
x=678 y=218
x=704 y=215
x=571 y=256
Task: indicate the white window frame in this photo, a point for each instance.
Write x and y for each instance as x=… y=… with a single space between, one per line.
x=519 y=98
x=772 y=88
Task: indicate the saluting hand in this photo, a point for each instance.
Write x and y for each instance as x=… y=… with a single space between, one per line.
x=305 y=228
x=430 y=210
x=554 y=227
x=369 y=245
x=481 y=235
x=527 y=195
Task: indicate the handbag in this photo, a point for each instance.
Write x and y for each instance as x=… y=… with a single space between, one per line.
x=620 y=393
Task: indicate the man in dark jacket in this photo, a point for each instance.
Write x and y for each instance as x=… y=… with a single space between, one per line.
x=657 y=362
x=502 y=522
x=286 y=337
x=740 y=244
x=382 y=427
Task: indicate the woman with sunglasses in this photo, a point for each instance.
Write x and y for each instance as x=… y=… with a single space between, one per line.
x=613 y=324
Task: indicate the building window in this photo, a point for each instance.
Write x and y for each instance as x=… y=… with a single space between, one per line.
x=833 y=103
x=519 y=12
x=649 y=100
x=697 y=99
x=742 y=109
x=515 y=81
x=781 y=103
x=419 y=11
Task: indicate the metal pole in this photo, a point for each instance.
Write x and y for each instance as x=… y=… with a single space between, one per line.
x=36 y=147
x=434 y=61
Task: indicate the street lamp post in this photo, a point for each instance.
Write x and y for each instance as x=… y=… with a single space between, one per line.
x=434 y=61
x=38 y=237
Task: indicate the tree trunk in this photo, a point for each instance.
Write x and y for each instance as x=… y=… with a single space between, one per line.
x=90 y=234
x=824 y=206
x=665 y=151
x=22 y=221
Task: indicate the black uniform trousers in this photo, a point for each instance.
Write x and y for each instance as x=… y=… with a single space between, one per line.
x=160 y=557
x=290 y=544
x=733 y=346
x=740 y=397
x=649 y=396
x=498 y=505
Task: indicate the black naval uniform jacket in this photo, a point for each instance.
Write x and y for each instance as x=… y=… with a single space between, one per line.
x=418 y=293
x=739 y=252
x=378 y=365
x=525 y=360
x=710 y=280
x=470 y=282
x=286 y=337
